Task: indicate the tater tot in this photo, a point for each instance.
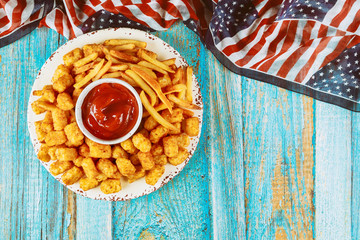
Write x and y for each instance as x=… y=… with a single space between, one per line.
x=154 y=174
x=71 y=116
x=109 y=186
x=101 y=177
x=135 y=159
x=118 y=152
x=192 y=126
x=59 y=119
x=48 y=93
x=47 y=122
x=59 y=167
x=89 y=168
x=92 y=48
x=64 y=101
x=183 y=140
x=160 y=159
x=150 y=123
x=36 y=108
x=157 y=133
x=78 y=161
x=98 y=150
x=176 y=116
x=64 y=82
x=125 y=166
x=157 y=149
x=52 y=153
x=59 y=71
x=41 y=135
x=72 y=57
x=72 y=175
x=84 y=150
x=128 y=146
x=88 y=183
x=146 y=160
x=76 y=94
x=171 y=148
x=43 y=153
x=139 y=173
x=107 y=167
x=142 y=143
x=66 y=154
x=180 y=158
x=74 y=134
x=178 y=130
x=54 y=138
x=145 y=133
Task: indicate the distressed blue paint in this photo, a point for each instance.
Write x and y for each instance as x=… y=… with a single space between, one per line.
x=263 y=152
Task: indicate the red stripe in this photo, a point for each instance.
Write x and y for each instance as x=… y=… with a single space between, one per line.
x=337 y=51
x=273 y=45
x=95 y=2
x=289 y=40
x=257 y=2
x=148 y=11
x=322 y=31
x=355 y=24
x=35 y=16
x=270 y=4
x=295 y=56
x=354 y=41
x=257 y=47
x=71 y=8
x=58 y=22
x=3 y=21
x=89 y=11
x=305 y=69
x=342 y=14
x=15 y=17
x=244 y=41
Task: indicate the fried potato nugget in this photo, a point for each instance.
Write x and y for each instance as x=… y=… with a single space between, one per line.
x=154 y=174
x=146 y=160
x=125 y=166
x=47 y=93
x=59 y=167
x=64 y=101
x=135 y=159
x=72 y=175
x=145 y=133
x=43 y=153
x=66 y=154
x=63 y=82
x=139 y=173
x=183 y=140
x=78 y=161
x=159 y=132
x=47 y=123
x=180 y=158
x=160 y=159
x=176 y=116
x=55 y=138
x=72 y=57
x=109 y=186
x=171 y=148
x=74 y=134
x=192 y=126
x=157 y=149
x=142 y=143
x=178 y=131
x=150 y=123
x=93 y=48
x=98 y=150
x=101 y=177
x=84 y=150
x=128 y=146
x=107 y=167
x=89 y=168
x=41 y=135
x=52 y=152
x=88 y=183
x=118 y=152
x=59 y=71
x=36 y=108
x=60 y=119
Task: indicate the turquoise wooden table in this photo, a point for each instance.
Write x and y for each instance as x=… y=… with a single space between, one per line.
x=271 y=164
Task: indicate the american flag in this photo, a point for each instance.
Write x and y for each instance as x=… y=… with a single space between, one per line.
x=307 y=46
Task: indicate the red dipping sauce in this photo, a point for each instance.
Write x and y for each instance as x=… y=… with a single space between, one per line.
x=109 y=111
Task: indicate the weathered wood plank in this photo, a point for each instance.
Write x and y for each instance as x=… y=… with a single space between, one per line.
x=32 y=204
x=278 y=155
x=355 y=176
x=333 y=172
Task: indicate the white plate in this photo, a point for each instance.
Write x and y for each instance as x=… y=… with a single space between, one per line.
x=165 y=51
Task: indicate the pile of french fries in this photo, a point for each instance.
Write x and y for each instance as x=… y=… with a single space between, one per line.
x=168 y=122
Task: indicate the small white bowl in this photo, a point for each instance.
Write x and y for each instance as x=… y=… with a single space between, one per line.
x=78 y=111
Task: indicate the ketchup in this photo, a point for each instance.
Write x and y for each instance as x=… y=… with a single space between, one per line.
x=109 y=111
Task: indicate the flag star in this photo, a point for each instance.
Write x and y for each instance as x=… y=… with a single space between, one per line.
x=138 y=24
x=350 y=71
x=340 y=67
x=354 y=82
x=111 y=14
x=320 y=7
x=120 y=21
x=330 y=71
x=335 y=81
x=102 y=11
x=351 y=96
x=329 y=91
x=93 y=19
x=293 y=15
x=347 y=57
x=356 y=62
x=241 y=5
x=355 y=54
x=357 y=86
x=316 y=17
x=340 y=93
x=192 y=22
x=342 y=74
x=321 y=74
x=313 y=11
x=101 y=26
x=231 y=10
x=318 y=3
x=235 y=24
x=346 y=84
x=304 y=15
x=102 y=20
x=352 y=77
x=244 y=20
x=337 y=87
x=348 y=65
x=338 y=60
x=225 y=4
x=128 y=22
x=301 y=10
x=86 y=25
x=332 y=77
x=234 y=3
x=326 y=85
x=315 y=84
x=324 y=80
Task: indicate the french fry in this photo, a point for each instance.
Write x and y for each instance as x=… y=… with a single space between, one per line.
x=47 y=106
x=139 y=44
x=151 y=66
x=142 y=54
x=175 y=88
x=128 y=79
x=154 y=84
x=90 y=75
x=158 y=108
x=124 y=56
x=121 y=67
x=149 y=53
x=83 y=68
x=169 y=62
x=188 y=112
x=143 y=85
x=85 y=60
x=129 y=46
x=177 y=76
x=103 y=70
x=182 y=103
x=154 y=113
x=189 y=73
